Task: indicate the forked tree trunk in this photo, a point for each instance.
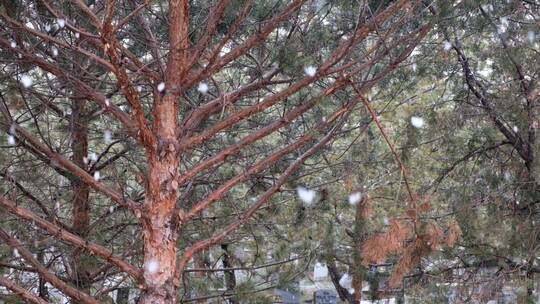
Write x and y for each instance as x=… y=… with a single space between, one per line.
x=160 y=225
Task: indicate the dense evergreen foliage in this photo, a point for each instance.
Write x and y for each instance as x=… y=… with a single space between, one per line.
x=217 y=150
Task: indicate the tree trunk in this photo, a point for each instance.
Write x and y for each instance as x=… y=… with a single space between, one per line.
x=335 y=276
x=230 y=278
x=358 y=269
x=530 y=297
x=122 y=296
x=81 y=208
x=159 y=223
x=43 y=291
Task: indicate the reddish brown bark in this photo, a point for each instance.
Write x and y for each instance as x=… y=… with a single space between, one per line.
x=111 y=46
x=159 y=228
x=159 y=225
x=179 y=45
x=23 y=293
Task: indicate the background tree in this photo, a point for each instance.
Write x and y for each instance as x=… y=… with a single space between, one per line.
x=141 y=134
x=475 y=85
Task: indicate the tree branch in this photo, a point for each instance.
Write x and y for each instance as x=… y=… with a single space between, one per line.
x=44 y=272
x=69 y=237
x=119 y=198
x=21 y=292
x=220 y=235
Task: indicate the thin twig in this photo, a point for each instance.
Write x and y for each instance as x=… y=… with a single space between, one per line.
x=412 y=196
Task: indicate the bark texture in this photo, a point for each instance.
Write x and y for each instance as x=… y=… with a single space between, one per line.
x=159 y=221
x=80 y=268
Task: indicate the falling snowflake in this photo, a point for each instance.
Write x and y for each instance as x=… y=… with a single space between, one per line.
x=97 y=175
x=386 y=222
x=417 y=122
x=531 y=36
x=11 y=140
x=26 y=81
x=54 y=51
x=77 y=35
x=111 y=209
x=107 y=102
x=203 y=88
x=306 y=195
x=414 y=67
x=504 y=21
x=61 y=22
x=319 y=4
x=355 y=198
x=139 y=88
x=107 y=136
x=161 y=86
x=447 y=46
x=320 y=271
x=345 y=281
x=516 y=129
x=152 y=266
x=93 y=156
x=310 y=71
x=13 y=44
